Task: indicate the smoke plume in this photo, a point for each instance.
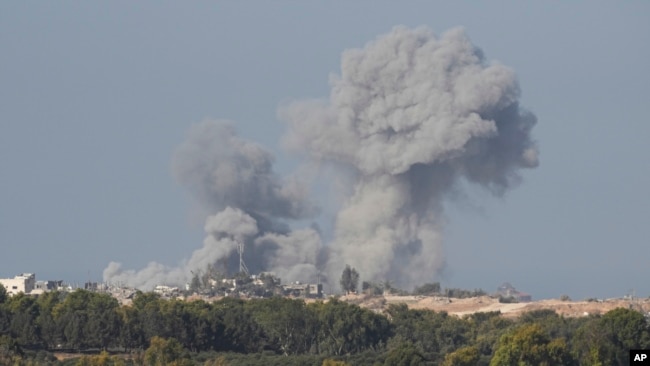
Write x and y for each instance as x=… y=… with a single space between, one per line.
x=409 y=117
x=234 y=177
x=411 y=114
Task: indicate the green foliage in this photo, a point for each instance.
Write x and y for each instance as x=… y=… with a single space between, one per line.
x=606 y=340
x=281 y=331
x=86 y=320
x=9 y=350
x=434 y=333
x=329 y=362
x=465 y=356
x=485 y=331
x=345 y=328
x=507 y=300
x=195 y=284
x=239 y=331
x=528 y=345
x=428 y=289
x=47 y=303
x=102 y=359
x=405 y=354
x=371 y=288
x=3 y=294
x=24 y=311
x=288 y=324
x=349 y=279
x=459 y=293
x=163 y=352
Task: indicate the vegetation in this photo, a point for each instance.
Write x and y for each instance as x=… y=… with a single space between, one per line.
x=282 y=331
x=507 y=300
x=428 y=289
x=349 y=279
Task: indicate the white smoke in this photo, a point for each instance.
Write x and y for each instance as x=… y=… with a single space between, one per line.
x=410 y=116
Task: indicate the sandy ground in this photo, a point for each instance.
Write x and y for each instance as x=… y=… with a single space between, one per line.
x=462 y=307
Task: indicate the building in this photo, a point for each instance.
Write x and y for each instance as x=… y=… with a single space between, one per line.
x=509 y=291
x=48 y=285
x=298 y=289
x=167 y=291
x=24 y=282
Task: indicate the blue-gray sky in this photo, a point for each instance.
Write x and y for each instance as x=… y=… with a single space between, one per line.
x=95 y=97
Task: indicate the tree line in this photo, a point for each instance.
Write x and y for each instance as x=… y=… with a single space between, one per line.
x=286 y=331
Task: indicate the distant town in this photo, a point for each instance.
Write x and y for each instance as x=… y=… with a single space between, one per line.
x=241 y=285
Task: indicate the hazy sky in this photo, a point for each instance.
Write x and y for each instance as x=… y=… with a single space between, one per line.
x=95 y=97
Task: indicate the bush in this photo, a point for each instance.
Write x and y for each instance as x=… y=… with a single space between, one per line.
x=507 y=300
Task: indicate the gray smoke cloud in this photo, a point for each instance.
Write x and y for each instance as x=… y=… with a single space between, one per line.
x=411 y=114
x=221 y=169
x=234 y=177
x=224 y=231
x=409 y=117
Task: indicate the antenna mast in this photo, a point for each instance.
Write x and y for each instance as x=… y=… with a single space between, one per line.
x=242 y=265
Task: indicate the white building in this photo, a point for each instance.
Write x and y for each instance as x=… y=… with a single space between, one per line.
x=166 y=291
x=24 y=283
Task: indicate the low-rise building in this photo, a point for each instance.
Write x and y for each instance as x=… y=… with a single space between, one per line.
x=167 y=291
x=48 y=285
x=509 y=291
x=24 y=283
x=298 y=289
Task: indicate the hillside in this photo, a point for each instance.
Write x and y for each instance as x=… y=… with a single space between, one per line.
x=466 y=306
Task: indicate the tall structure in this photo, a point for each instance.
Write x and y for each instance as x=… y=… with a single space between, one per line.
x=242 y=265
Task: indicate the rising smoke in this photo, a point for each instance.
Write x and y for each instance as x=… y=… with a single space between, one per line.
x=410 y=116
x=235 y=178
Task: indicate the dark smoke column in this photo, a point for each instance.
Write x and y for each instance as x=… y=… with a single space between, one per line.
x=410 y=115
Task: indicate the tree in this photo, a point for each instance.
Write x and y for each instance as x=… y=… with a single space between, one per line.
x=434 y=333
x=149 y=318
x=10 y=351
x=371 y=288
x=329 y=362
x=406 y=354
x=3 y=294
x=427 y=289
x=71 y=316
x=131 y=332
x=195 y=284
x=23 y=311
x=104 y=322
x=349 y=279
x=466 y=356
x=345 y=328
x=606 y=340
x=627 y=329
x=163 y=352
x=235 y=326
x=51 y=333
x=102 y=359
x=529 y=345
x=288 y=324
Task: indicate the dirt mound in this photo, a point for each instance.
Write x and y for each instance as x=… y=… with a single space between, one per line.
x=461 y=307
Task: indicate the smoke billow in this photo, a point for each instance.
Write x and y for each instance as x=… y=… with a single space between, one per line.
x=235 y=178
x=410 y=115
